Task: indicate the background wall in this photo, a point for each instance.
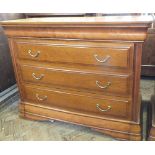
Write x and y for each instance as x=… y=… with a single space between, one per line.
x=7 y=77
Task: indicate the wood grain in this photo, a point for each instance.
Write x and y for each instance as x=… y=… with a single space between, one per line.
x=85 y=81
x=86 y=53
x=77 y=102
x=69 y=73
x=116 y=127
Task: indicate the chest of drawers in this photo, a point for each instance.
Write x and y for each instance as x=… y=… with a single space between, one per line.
x=83 y=70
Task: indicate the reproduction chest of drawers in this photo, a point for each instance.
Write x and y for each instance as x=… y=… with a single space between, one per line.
x=84 y=70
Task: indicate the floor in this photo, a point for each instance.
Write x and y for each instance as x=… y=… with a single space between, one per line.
x=14 y=128
x=147 y=87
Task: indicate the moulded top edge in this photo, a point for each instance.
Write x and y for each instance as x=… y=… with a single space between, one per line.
x=142 y=21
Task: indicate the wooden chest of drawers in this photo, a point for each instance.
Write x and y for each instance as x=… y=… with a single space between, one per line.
x=84 y=70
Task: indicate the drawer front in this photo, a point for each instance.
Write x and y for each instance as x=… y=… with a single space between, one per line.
x=88 y=81
x=76 y=102
x=110 y=55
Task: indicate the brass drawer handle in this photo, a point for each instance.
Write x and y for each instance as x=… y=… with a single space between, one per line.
x=103 y=110
x=37 y=78
x=41 y=98
x=102 y=61
x=33 y=55
x=103 y=87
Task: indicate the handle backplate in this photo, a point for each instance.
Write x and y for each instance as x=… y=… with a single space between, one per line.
x=103 y=87
x=34 y=55
x=37 y=78
x=104 y=60
x=103 y=110
x=41 y=98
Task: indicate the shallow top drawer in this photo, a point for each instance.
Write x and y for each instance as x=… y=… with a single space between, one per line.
x=99 y=54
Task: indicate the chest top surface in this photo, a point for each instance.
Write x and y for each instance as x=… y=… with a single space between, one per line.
x=127 y=28
x=103 y=20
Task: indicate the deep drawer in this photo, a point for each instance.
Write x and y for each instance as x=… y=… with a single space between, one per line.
x=113 y=55
x=80 y=80
x=77 y=102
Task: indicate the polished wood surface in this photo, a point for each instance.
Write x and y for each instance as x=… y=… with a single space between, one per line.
x=86 y=53
x=60 y=78
x=78 y=102
x=127 y=28
x=118 y=129
x=82 y=80
x=141 y=20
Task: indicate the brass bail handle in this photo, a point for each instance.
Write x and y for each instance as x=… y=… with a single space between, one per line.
x=41 y=98
x=34 y=55
x=103 y=110
x=37 y=78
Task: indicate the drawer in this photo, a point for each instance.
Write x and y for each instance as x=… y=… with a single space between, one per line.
x=81 y=80
x=77 y=102
x=113 y=55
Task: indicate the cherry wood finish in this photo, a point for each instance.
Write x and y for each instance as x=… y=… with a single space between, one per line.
x=63 y=70
x=81 y=80
x=148 y=54
x=115 y=54
x=78 y=102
